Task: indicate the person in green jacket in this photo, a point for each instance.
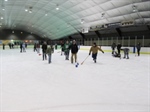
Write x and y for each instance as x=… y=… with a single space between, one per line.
x=49 y=52
x=66 y=50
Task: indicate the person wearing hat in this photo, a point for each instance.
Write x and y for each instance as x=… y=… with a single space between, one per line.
x=74 y=50
x=94 y=49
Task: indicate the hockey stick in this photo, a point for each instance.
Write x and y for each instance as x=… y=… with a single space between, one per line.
x=85 y=59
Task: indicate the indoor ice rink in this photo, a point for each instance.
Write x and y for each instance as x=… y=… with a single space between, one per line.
x=112 y=84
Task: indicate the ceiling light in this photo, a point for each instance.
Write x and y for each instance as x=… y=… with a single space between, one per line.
x=46 y=14
x=134 y=8
x=30 y=11
x=2 y=18
x=26 y=10
x=6 y=0
x=103 y=14
x=57 y=8
x=82 y=21
x=3 y=9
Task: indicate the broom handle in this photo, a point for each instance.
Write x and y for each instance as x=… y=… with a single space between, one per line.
x=85 y=59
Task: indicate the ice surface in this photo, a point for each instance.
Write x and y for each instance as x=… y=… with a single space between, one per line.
x=29 y=84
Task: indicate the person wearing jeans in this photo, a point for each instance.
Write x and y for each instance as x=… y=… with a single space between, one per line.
x=94 y=49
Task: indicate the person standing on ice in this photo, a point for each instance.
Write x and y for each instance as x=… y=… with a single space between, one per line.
x=113 y=46
x=138 y=46
x=94 y=49
x=66 y=50
x=119 y=48
x=49 y=52
x=44 y=48
x=74 y=50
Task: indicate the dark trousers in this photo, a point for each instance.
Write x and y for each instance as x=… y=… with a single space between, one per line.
x=118 y=51
x=67 y=54
x=44 y=56
x=35 y=49
x=138 y=51
x=21 y=49
x=126 y=54
x=94 y=56
x=113 y=50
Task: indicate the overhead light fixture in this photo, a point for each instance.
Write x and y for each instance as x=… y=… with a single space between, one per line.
x=134 y=8
x=6 y=0
x=103 y=14
x=26 y=10
x=30 y=9
x=3 y=9
x=2 y=18
x=46 y=14
x=57 y=8
x=82 y=21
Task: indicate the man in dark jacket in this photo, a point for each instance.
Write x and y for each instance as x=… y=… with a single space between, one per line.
x=113 y=46
x=119 y=48
x=138 y=46
x=74 y=51
x=44 y=48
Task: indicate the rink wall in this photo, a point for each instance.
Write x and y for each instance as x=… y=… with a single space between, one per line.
x=144 y=50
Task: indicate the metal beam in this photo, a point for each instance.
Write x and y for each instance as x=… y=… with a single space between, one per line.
x=70 y=37
x=98 y=34
x=148 y=27
x=83 y=37
x=119 y=32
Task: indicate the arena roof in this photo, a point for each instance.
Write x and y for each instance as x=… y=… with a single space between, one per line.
x=60 y=18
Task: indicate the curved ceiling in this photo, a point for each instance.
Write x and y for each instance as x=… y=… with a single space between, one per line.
x=42 y=18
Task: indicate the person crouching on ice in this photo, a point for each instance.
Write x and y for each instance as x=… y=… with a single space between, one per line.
x=116 y=55
x=126 y=53
x=94 y=49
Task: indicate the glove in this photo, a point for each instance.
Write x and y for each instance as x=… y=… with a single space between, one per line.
x=103 y=52
x=89 y=53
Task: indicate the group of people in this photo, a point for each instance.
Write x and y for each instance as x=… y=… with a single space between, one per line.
x=73 y=47
x=46 y=50
x=67 y=47
x=23 y=47
x=125 y=50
